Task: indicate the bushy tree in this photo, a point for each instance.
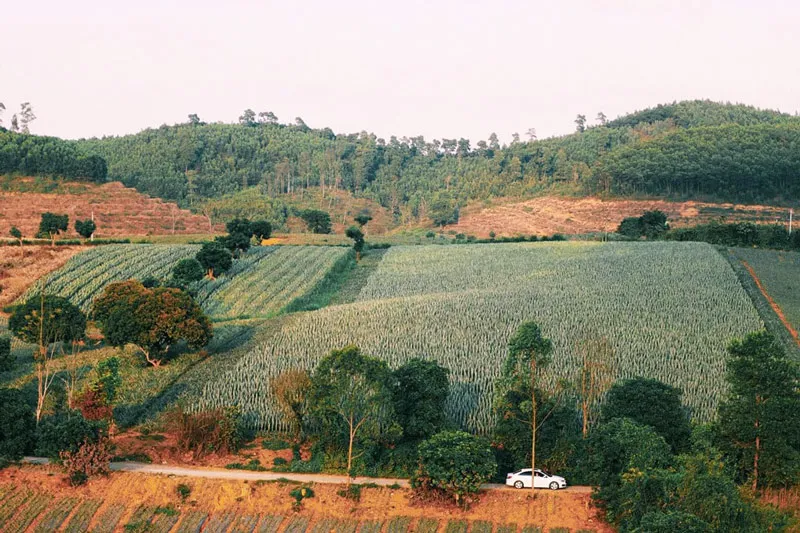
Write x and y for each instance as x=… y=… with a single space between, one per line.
x=419 y=392
x=351 y=398
x=630 y=227
x=353 y=232
x=262 y=229
x=238 y=238
x=85 y=228
x=758 y=420
x=150 y=319
x=66 y=431
x=443 y=211
x=291 y=390
x=52 y=225
x=17 y=425
x=317 y=221
x=187 y=271
x=651 y=403
x=453 y=464
x=362 y=219
x=16 y=233
x=215 y=258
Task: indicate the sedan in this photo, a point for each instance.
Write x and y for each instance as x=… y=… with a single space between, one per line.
x=543 y=480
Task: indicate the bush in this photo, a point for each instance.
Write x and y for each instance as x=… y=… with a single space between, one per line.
x=212 y=431
x=299 y=494
x=353 y=492
x=7 y=359
x=317 y=221
x=453 y=464
x=151 y=282
x=17 y=425
x=278 y=461
x=274 y=444
x=187 y=271
x=183 y=490
x=66 y=431
x=90 y=459
x=252 y=465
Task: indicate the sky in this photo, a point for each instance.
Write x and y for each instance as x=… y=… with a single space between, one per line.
x=442 y=69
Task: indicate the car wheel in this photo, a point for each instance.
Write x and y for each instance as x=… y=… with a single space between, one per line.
x=554 y=486
x=519 y=484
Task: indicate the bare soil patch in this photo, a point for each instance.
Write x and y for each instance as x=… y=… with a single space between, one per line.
x=21 y=266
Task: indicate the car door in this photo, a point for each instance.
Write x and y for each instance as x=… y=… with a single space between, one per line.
x=525 y=477
x=540 y=481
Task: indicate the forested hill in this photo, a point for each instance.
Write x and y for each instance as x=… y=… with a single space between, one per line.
x=687 y=150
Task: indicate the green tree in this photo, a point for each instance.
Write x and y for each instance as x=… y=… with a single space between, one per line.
x=419 y=391
x=443 y=210
x=51 y=225
x=238 y=238
x=358 y=240
x=26 y=116
x=291 y=390
x=651 y=403
x=17 y=425
x=350 y=397
x=215 y=258
x=187 y=271
x=529 y=352
x=598 y=370
x=758 y=420
x=152 y=320
x=248 y=118
x=48 y=322
x=455 y=464
x=66 y=431
x=362 y=219
x=631 y=227
x=317 y=221
x=16 y=233
x=85 y=228
x=7 y=358
x=654 y=224
x=580 y=123
x=262 y=229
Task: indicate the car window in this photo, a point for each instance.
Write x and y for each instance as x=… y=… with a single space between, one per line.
x=525 y=474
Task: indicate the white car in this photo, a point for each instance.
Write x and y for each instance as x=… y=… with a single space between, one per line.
x=522 y=480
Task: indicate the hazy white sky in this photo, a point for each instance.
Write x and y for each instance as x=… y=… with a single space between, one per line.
x=450 y=68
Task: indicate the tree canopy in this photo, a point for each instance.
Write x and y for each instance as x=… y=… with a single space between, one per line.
x=47 y=320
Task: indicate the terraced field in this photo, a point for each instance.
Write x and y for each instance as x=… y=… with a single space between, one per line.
x=260 y=284
x=24 y=509
x=669 y=310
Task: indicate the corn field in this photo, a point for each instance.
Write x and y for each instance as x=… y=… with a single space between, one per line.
x=668 y=309
x=259 y=284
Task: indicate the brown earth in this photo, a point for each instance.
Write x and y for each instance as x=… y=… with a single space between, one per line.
x=21 y=266
x=342 y=206
x=118 y=210
x=549 y=214
x=549 y=509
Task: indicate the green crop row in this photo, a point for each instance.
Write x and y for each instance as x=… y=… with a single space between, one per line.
x=668 y=309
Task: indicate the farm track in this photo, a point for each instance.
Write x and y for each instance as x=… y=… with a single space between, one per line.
x=772 y=303
x=237 y=475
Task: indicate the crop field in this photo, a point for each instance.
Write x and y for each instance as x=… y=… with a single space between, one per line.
x=260 y=284
x=34 y=511
x=779 y=272
x=668 y=309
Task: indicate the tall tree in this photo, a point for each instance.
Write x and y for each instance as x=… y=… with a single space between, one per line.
x=494 y=142
x=52 y=225
x=48 y=322
x=531 y=133
x=355 y=233
x=26 y=116
x=267 y=117
x=247 y=118
x=529 y=352
x=597 y=375
x=758 y=420
x=580 y=123
x=602 y=119
x=14 y=122
x=350 y=397
x=291 y=390
x=420 y=389
x=2 y=108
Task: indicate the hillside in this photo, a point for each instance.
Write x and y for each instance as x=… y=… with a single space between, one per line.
x=118 y=210
x=552 y=214
x=688 y=150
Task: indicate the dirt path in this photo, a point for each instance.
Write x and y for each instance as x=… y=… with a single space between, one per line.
x=239 y=475
x=772 y=303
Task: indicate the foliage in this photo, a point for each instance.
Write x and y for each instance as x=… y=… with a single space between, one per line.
x=238 y=238
x=188 y=271
x=262 y=229
x=85 y=228
x=66 y=431
x=650 y=402
x=50 y=319
x=52 y=225
x=652 y=224
x=459 y=305
x=291 y=390
x=353 y=232
x=95 y=403
x=214 y=431
x=318 y=221
x=745 y=234
x=215 y=258
x=419 y=392
x=32 y=155
x=299 y=494
x=362 y=219
x=758 y=419
x=183 y=490
x=17 y=425
x=90 y=459
x=16 y=233
x=453 y=464
x=7 y=357
x=443 y=211
x=151 y=319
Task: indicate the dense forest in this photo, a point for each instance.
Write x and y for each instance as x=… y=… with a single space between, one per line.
x=31 y=155
x=682 y=150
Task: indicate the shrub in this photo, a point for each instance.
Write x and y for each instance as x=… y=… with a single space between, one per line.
x=253 y=465
x=453 y=464
x=66 y=431
x=7 y=359
x=213 y=431
x=353 y=492
x=430 y=235
x=274 y=444
x=183 y=490
x=187 y=271
x=151 y=282
x=17 y=425
x=90 y=459
x=278 y=461
x=317 y=221
x=299 y=494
